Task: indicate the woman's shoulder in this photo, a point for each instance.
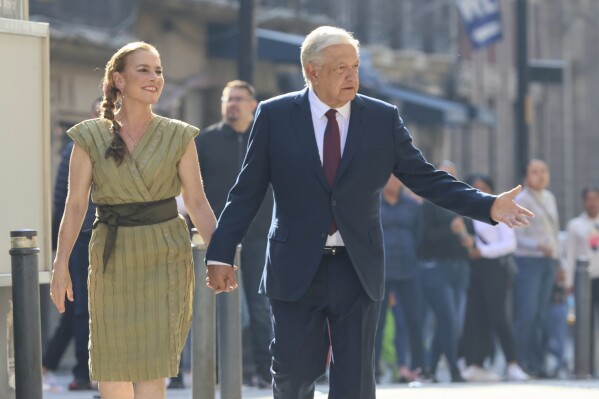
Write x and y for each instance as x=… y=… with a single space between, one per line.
x=175 y=124
x=88 y=128
x=181 y=130
x=89 y=133
x=90 y=124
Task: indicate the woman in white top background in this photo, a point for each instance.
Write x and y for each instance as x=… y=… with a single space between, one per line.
x=491 y=274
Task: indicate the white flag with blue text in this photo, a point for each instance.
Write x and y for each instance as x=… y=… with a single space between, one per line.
x=482 y=19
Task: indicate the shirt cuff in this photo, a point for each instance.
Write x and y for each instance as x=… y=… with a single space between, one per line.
x=217 y=263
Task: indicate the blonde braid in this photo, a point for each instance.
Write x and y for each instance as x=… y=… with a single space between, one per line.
x=117 y=148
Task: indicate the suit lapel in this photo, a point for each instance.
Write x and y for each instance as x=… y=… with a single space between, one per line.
x=304 y=129
x=355 y=134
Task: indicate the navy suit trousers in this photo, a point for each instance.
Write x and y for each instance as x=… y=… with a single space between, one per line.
x=337 y=301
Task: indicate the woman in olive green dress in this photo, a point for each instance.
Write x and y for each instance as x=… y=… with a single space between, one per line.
x=141 y=273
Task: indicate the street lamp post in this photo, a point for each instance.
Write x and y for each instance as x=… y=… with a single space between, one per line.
x=522 y=102
x=247 y=41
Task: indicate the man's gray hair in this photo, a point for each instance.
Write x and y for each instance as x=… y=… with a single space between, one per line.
x=319 y=39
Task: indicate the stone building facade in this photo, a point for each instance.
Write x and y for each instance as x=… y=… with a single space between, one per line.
x=414 y=45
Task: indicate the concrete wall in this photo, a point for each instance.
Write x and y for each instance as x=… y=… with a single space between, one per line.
x=25 y=196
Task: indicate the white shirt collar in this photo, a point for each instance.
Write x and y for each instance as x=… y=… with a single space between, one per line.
x=320 y=108
x=586 y=216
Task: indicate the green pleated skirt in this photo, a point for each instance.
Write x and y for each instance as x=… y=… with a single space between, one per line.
x=140 y=306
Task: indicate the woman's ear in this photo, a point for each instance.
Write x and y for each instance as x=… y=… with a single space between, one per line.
x=119 y=82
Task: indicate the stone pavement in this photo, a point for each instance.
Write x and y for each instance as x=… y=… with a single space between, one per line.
x=545 y=389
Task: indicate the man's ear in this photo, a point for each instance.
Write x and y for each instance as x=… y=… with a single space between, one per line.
x=312 y=73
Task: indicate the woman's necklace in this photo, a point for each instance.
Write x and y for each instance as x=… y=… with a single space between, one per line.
x=135 y=139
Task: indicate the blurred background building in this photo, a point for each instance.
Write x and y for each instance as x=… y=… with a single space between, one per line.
x=459 y=103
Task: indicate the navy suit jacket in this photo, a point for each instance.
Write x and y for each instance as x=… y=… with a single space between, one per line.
x=282 y=151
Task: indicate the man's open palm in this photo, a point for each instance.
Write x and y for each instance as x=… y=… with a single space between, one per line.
x=507 y=211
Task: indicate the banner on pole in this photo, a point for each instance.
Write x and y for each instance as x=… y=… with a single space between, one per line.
x=482 y=20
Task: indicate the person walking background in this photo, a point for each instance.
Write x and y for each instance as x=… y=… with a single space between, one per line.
x=141 y=269
x=536 y=255
x=74 y=322
x=221 y=150
x=492 y=270
x=327 y=152
x=444 y=277
x=399 y=217
x=583 y=242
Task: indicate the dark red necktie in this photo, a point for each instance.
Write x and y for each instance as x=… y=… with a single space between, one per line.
x=331 y=153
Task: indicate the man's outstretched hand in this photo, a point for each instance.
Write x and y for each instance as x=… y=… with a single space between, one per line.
x=505 y=209
x=221 y=278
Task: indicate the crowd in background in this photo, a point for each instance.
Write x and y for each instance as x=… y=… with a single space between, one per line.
x=479 y=290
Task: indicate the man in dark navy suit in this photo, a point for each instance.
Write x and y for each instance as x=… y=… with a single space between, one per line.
x=327 y=152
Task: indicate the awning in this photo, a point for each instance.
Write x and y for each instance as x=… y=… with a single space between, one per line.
x=279 y=46
x=223 y=42
x=417 y=107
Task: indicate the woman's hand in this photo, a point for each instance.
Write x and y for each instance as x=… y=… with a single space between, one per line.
x=547 y=250
x=61 y=285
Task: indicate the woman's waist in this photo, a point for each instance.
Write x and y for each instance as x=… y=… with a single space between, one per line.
x=176 y=221
x=136 y=213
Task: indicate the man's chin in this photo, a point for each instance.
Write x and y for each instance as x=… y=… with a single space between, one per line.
x=351 y=96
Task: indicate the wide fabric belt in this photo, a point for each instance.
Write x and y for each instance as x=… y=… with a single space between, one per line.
x=130 y=215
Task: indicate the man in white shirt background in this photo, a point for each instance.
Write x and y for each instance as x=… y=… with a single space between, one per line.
x=583 y=242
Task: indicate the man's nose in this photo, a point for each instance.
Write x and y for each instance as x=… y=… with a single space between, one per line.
x=351 y=74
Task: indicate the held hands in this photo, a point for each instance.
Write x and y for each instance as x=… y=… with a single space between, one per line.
x=505 y=209
x=221 y=278
x=60 y=286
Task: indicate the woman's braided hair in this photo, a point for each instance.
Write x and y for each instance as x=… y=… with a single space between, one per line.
x=117 y=63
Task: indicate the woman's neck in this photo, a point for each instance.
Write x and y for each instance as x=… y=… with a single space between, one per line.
x=134 y=115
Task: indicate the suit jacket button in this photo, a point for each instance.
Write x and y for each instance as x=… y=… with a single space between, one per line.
x=333 y=202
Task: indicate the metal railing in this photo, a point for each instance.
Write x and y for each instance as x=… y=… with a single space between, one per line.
x=582 y=329
x=26 y=314
x=204 y=334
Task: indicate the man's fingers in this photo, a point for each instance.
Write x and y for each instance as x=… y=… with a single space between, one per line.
x=523 y=220
x=59 y=303
x=70 y=295
x=221 y=278
x=516 y=221
x=514 y=191
x=526 y=212
x=233 y=281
